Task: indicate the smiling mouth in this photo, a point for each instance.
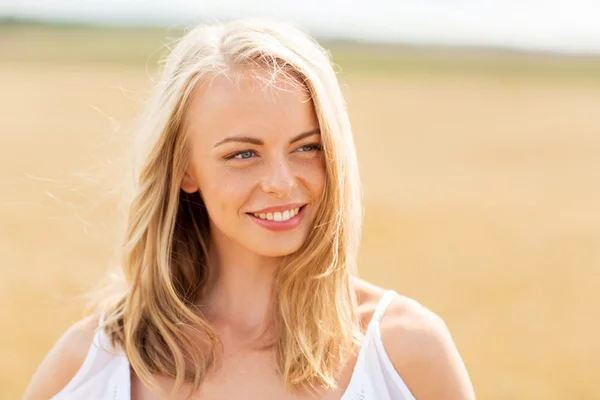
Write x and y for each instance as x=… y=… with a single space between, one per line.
x=278 y=216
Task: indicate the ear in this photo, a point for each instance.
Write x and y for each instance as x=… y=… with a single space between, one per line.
x=188 y=184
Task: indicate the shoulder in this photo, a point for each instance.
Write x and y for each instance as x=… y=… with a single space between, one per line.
x=64 y=360
x=367 y=296
x=423 y=352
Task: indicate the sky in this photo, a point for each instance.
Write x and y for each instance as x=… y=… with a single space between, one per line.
x=564 y=26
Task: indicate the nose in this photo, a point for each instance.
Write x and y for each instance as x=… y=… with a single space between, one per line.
x=279 y=180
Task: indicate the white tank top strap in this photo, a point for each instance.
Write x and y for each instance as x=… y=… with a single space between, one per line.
x=382 y=306
x=102 y=339
x=372 y=335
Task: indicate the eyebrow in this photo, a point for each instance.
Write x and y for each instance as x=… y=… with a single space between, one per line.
x=258 y=142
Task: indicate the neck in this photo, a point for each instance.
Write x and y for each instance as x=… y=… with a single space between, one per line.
x=238 y=295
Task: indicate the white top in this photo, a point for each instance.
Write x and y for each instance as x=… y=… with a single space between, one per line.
x=105 y=373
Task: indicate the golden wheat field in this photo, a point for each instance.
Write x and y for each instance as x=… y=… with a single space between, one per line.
x=481 y=185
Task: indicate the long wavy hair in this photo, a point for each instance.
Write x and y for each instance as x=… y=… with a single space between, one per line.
x=153 y=317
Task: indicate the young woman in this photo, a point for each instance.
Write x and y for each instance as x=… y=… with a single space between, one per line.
x=240 y=253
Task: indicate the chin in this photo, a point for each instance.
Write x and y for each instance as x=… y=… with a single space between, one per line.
x=277 y=248
x=278 y=251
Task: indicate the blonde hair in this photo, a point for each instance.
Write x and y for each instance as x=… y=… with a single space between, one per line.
x=165 y=251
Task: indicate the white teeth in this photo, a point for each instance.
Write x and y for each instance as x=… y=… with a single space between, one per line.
x=278 y=216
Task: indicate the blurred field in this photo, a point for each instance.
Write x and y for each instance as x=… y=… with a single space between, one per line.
x=482 y=194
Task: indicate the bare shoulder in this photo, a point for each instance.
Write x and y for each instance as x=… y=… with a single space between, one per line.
x=367 y=295
x=63 y=361
x=423 y=352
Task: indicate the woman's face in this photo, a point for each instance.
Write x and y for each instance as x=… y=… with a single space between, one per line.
x=255 y=157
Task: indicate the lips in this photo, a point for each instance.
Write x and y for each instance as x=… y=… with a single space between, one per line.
x=279 y=218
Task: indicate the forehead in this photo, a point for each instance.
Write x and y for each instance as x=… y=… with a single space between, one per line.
x=250 y=104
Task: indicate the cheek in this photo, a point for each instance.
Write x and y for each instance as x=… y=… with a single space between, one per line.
x=319 y=186
x=224 y=190
x=313 y=174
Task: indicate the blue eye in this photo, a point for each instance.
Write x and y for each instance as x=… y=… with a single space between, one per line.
x=243 y=155
x=309 y=147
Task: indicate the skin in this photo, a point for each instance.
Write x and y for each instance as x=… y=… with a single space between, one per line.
x=278 y=172
x=245 y=255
